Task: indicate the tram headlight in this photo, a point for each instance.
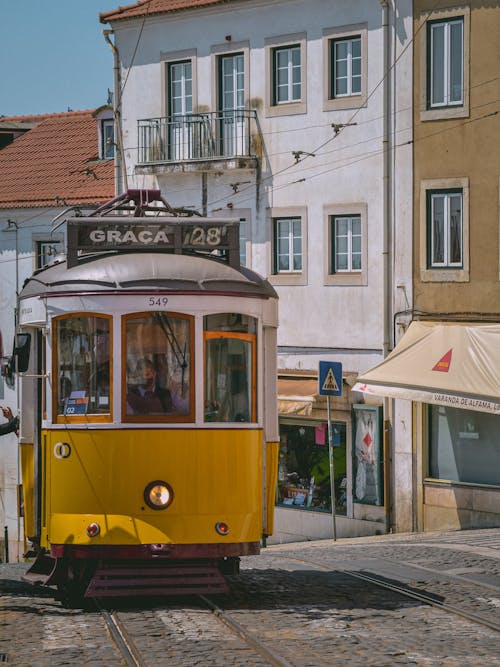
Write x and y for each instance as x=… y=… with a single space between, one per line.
x=158 y=495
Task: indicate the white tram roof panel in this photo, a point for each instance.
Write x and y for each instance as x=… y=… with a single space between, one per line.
x=128 y=272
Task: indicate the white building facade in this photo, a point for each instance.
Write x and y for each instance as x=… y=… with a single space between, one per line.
x=295 y=116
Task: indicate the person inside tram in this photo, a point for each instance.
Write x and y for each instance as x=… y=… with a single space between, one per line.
x=148 y=397
x=12 y=425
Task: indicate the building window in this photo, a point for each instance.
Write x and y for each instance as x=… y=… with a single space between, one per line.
x=346 y=244
x=346 y=67
x=181 y=128
x=446 y=63
x=286 y=66
x=345 y=228
x=107 y=139
x=444 y=230
x=287 y=245
x=444 y=56
x=445 y=235
x=287 y=75
x=45 y=252
x=463 y=445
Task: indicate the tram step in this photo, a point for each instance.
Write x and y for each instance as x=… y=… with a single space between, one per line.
x=168 y=578
x=42 y=572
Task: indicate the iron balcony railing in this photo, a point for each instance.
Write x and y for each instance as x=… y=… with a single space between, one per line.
x=197 y=136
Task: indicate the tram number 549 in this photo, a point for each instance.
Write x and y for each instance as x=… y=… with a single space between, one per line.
x=200 y=236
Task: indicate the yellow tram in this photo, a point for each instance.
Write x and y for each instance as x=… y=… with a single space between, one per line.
x=149 y=435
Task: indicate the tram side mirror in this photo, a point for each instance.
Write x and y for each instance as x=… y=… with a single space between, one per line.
x=22 y=351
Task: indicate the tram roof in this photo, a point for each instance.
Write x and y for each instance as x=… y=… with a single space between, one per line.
x=129 y=272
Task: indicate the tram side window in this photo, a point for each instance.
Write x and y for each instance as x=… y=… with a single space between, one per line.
x=83 y=344
x=158 y=367
x=230 y=368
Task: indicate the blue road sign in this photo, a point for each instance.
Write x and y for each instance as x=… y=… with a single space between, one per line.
x=330 y=378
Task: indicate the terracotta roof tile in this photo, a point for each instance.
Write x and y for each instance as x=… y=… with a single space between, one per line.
x=150 y=7
x=57 y=158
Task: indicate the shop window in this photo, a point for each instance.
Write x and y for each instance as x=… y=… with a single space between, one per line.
x=82 y=368
x=464 y=445
x=158 y=368
x=304 y=467
x=367 y=469
x=230 y=368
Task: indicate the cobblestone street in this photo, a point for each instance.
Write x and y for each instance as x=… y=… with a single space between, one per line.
x=300 y=601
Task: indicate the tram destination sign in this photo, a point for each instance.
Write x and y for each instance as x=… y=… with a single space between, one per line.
x=91 y=235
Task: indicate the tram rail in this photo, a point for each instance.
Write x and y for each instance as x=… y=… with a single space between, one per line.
x=426 y=598
x=133 y=657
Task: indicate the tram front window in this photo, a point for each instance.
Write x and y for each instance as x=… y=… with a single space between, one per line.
x=158 y=368
x=230 y=368
x=82 y=365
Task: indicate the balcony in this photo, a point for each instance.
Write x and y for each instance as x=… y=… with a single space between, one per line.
x=198 y=142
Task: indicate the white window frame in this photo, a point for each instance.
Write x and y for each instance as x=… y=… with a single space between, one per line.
x=272 y=45
x=284 y=228
x=445 y=196
x=349 y=41
x=447 y=14
x=349 y=219
x=445 y=65
x=349 y=100
x=290 y=84
x=291 y=277
x=351 y=277
x=444 y=273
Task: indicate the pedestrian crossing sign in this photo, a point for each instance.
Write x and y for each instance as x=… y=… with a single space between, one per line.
x=330 y=378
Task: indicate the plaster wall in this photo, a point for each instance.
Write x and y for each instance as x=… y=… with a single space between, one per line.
x=17 y=261
x=464 y=148
x=342 y=322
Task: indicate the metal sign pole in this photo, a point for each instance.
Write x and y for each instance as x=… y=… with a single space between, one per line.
x=332 y=471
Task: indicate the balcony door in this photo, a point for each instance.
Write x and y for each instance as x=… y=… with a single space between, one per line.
x=232 y=104
x=180 y=123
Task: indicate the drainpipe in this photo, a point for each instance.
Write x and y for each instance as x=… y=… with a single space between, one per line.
x=386 y=257
x=121 y=184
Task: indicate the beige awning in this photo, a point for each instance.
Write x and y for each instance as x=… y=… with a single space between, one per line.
x=442 y=363
x=296 y=396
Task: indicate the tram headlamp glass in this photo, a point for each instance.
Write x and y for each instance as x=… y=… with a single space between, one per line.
x=158 y=495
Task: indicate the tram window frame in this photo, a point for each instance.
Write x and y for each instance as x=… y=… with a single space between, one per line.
x=57 y=417
x=189 y=417
x=232 y=332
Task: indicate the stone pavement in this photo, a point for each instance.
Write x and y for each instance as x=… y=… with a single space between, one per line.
x=297 y=599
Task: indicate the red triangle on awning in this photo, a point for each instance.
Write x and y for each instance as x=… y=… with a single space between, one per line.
x=443 y=364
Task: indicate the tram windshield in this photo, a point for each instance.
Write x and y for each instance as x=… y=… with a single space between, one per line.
x=230 y=368
x=82 y=365
x=158 y=367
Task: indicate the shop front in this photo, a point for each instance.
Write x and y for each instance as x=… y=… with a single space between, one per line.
x=451 y=373
x=304 y=492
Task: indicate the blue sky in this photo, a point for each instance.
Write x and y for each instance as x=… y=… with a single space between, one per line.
x=53 y=55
